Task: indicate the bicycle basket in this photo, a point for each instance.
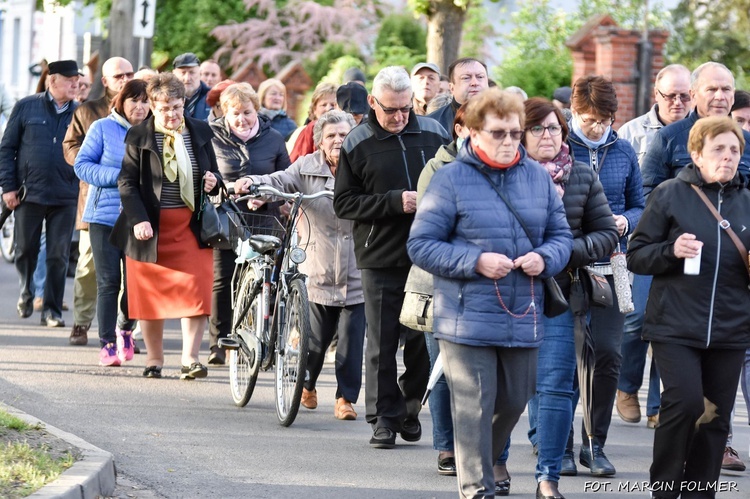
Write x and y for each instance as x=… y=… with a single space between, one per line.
x=243 y=225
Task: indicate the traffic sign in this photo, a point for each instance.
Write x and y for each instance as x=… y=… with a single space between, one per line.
x=144 y=18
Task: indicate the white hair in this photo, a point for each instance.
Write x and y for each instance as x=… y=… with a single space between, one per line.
x=393 y=78
x=696 y=76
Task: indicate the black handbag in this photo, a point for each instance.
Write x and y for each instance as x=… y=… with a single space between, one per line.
x=215 y=220
x=554 y=299
x=597 y=287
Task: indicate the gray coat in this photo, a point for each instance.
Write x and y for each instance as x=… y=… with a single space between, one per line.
x=641 y=131
x=331 y=268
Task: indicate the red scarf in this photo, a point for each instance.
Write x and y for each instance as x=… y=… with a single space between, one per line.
x=494 y=164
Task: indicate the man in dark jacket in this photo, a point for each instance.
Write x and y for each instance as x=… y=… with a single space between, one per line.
x=187 y=68
x=712 y=90
x=31 y=156
x=376 y=184
x=116 y=72
x=467 y=78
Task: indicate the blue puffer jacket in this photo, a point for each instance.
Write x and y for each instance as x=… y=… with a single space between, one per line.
x=616 y=164
x=459 y=218
x=99 y=163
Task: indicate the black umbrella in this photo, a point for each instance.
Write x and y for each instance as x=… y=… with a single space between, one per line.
x=585 y=356
x=5 y=213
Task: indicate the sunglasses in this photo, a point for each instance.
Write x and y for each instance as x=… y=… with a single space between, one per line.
x=501 y=134
x=393 y=110
x=123 y=76
x=684 y=98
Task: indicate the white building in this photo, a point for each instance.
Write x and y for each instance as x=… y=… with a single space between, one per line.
x=28 y=36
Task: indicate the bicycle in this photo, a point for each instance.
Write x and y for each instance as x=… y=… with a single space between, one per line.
x=270 y=309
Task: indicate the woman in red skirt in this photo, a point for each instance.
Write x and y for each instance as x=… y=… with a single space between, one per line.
x=169 y=270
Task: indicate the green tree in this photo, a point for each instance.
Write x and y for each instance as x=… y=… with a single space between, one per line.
x=403 y=30
x=477 y=30
x=319 y=66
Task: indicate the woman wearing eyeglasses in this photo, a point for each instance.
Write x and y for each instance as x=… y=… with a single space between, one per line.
x=488 y=296
x=614 y=162
x=594 y=237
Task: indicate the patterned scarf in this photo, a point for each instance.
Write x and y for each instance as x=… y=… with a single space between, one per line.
x=177 y=162
x=559 y=168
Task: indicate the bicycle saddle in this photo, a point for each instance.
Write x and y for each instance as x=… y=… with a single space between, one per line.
x=264 y=244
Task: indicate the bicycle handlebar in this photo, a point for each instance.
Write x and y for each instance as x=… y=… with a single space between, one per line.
x=257 y=190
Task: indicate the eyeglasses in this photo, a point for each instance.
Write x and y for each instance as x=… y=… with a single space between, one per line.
x=684 y=98
x=597 y=123
x=166 y=110
x=501 y=134
x=538 y=131
x=123 y=76
x=393 y=110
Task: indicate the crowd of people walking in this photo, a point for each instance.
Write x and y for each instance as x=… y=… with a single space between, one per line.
x=504 y=204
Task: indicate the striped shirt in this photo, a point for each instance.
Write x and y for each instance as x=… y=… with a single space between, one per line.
x=170 y=191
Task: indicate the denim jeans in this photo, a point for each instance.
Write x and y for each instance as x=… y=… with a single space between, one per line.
x=40 y=273
x=551 y=410
x=440 y=403
x=110 y=269
x=634 y=349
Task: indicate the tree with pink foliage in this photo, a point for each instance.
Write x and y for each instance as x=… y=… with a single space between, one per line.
x=275 y=35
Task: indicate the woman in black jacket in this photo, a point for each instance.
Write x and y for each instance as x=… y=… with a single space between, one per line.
x=168 y=159
x=697 y=320
x=245 y=144
x=594 y=236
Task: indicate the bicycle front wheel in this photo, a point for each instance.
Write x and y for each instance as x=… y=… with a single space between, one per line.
x=291 y=356
x=244 y=362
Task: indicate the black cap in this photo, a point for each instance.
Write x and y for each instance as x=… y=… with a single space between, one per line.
x=562 y=94
x=65 y=68
x=186 y=60
x=352 y=98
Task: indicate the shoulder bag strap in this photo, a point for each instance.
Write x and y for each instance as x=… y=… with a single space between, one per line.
x=724 y=224
x=510 y=206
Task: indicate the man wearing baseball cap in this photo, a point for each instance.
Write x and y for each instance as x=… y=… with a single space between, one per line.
x=187 y=69
x=31 y=156
x=425 y=82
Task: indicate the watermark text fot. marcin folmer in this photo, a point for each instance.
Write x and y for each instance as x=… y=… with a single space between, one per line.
x=646 y=486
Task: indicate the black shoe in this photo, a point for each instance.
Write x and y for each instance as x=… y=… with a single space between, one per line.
x=152 y=372
x=52 y=321
x=502 y=487
x=135 y=346
x=599 y=465
x=383 y=438
x=217 y=357
x=447 y=466
x=194 y=370
x=25 y=308
x=568 y=466
x=539 y=494
x=411 y=430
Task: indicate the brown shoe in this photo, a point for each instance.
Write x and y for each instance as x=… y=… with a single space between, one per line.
x=309 y=398
x=732 y=461
x=78 y=335
x=628 y=407
x=652 y=421
x=344 y=410
x=38 y=304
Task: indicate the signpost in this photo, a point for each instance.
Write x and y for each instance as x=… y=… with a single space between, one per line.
x=143 y=24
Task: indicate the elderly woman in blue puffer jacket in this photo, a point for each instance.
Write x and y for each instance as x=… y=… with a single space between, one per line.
x=488 y=297
x=98 y=163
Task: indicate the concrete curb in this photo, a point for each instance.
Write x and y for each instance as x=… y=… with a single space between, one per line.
x=90 y=477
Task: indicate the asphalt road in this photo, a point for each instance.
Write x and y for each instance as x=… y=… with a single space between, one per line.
x=183 y=439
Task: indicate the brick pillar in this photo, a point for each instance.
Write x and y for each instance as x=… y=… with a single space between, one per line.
x=617 y=59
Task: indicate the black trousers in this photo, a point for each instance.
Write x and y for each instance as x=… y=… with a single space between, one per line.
x=349 y=323
x=60 y=222
x=389 y=398
x=220 y=322
x=699 y=387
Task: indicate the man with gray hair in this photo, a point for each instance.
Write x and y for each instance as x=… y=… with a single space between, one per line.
x=376 y=182
x=673 y=100
x=712 y=92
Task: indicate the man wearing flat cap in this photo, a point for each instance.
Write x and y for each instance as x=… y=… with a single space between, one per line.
x=187 y=69
x=425 y=82
x=31 y=156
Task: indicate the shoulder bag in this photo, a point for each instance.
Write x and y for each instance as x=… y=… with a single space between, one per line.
x=416 y=311
x=554 y=300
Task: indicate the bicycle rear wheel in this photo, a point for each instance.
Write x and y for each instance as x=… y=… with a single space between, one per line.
x=291 y=356
x=244 y=362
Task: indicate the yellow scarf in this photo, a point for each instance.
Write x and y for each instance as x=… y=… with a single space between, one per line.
x=177 y=162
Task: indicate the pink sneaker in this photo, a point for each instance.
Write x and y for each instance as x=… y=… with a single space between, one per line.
x=125 y=345
x=108 y=355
